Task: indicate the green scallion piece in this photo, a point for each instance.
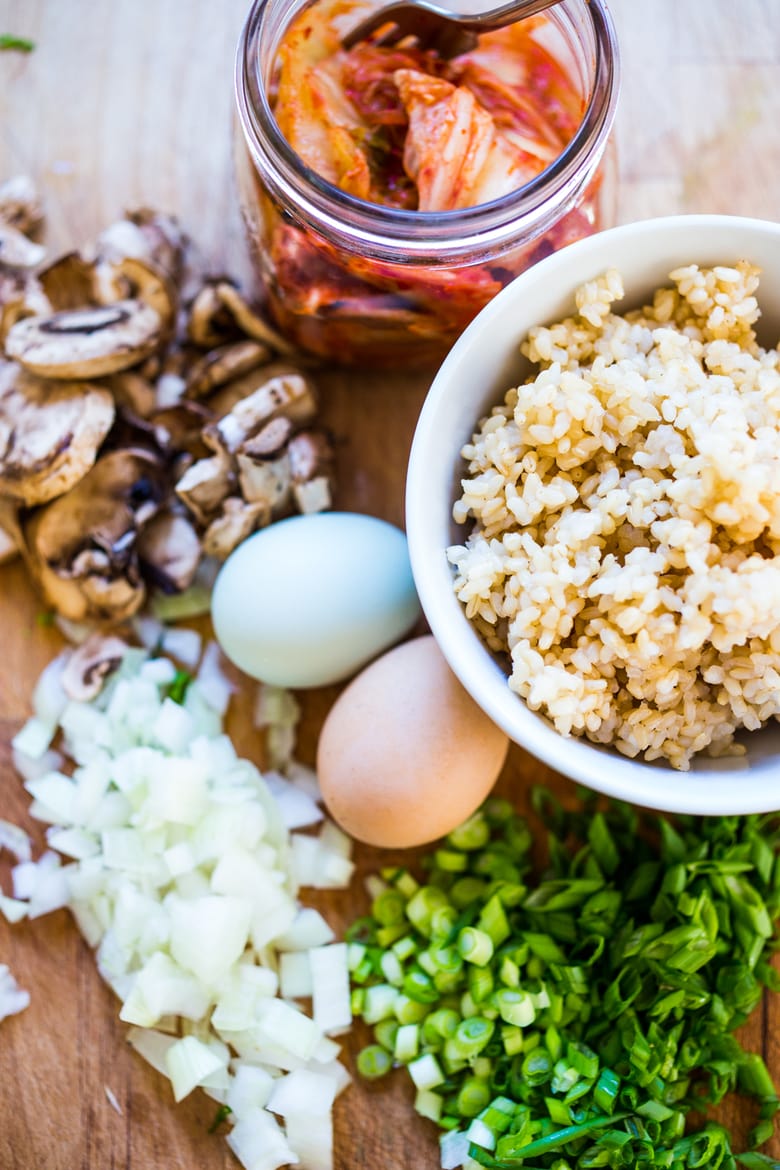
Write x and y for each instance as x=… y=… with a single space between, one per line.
x=374 y=1062
x=475 y=946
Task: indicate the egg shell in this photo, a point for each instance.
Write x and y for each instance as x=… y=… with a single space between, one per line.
x=309 y=600
x=405 y=754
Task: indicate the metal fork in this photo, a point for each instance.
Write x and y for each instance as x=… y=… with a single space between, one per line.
x=433 y=26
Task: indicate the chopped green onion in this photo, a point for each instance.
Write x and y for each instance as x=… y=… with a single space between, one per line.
x=374 y=1062
x=475 y=946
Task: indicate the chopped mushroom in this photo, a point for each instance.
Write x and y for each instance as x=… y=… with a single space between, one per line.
x=291 y=395
x=236 y=521
x=49 y=433
x=82 y=547
x=256 y=446
x=89 y=665
x=205 y=485
x=169 y=551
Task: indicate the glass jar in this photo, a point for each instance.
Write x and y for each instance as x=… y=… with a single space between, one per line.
x=358 y=282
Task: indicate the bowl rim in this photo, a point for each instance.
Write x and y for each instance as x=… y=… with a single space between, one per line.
x=725 y=788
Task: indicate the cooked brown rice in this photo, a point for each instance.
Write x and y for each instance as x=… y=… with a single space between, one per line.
x=626 y=506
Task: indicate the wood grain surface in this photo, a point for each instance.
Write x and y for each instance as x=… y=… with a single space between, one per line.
x=128 y=102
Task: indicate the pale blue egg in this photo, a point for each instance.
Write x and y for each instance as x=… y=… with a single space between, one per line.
x=309 y=600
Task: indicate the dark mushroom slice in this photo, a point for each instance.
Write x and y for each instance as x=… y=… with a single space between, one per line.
x=85 y=343
x=81 y=549
x=49 y=433
x=90 y=664
x=169 y=550
x=223 y=364
x=311 y=459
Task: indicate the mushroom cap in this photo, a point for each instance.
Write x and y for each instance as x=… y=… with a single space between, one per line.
x=89 y=664
x=81 y=548
x=85 y=343
x=49 y=433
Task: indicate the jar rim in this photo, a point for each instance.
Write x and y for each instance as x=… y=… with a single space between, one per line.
x=341 y=217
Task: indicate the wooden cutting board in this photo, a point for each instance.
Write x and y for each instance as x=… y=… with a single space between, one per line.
x=129 y=103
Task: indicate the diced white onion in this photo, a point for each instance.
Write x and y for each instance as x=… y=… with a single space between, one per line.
x=295 y=979
x=330 y=988
x=258 y=1142
x=454 y=1149
x=213 y=684
x=249 y=1089
x=183 y=645
x=184 y=880
x=12 y=998
x=30 y=768
x=302 y=1091
x=15 y=840
x=308 y=930
x=312 y=1140
x=34 y=738
x=297 y=808
x=189 y=1063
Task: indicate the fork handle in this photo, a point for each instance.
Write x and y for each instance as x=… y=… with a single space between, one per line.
x=494 y=15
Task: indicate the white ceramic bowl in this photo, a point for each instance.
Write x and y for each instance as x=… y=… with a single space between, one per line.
x=482 y=365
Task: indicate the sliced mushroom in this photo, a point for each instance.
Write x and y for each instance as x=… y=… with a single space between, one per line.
x=205 y=485
x=209 y=324
x=20 y=204
x=49 y=433
x=16 y=251
x=220 y=314
x=142 y=282
x=223 y=364
x=169 y=551
x=236 y=521
x=249 y=321
x=82 y=548
x=10 y=533
x=90 y=664
x=69 y=282
x=85 y=343
x=133 y=393
x=20 y=296
x=146 y=235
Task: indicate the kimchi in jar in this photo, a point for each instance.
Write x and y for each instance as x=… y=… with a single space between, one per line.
x=389 y=194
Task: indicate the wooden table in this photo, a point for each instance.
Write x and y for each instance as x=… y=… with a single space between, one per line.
x=129 y=103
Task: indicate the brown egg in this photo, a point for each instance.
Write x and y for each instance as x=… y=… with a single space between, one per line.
x=405 y=753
